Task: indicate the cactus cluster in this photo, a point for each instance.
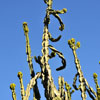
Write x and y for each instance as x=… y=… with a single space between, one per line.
x=64 y=91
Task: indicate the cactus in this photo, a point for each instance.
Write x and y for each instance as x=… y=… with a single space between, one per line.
x=64 y=91
x=83 y=82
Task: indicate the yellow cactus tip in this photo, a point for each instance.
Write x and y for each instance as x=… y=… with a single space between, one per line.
x=64 y=10
x=73 y=40
x=69 y=42
x=24 y=23
x=20 y=74
x=78 y=44
x=95 y=75
x=12 y=86
x=99 y=62
x=61 y=27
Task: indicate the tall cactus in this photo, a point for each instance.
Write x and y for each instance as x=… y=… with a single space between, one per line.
x=47 y=79
x=83 y=82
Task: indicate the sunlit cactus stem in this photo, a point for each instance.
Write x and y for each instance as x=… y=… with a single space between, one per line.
x=20 y=75
x=47 y=80
x=12 y=87
x=97 y=86
x=83 y=82
x=29 y=60
x=68 y=88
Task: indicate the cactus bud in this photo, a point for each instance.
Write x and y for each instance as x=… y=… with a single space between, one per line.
x=73 y=40
x=64 y=10
x=95 y=75
x=78 y=44
x=12 y=86
x=20 y=75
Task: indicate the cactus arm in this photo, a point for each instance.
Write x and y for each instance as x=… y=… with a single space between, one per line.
x=68 y=88
x=60 y=21
x=61 y=87
x=45 y=1
x=83 y=82
x=97 y=86
x=12 y=87
x=38 y=59
x=32 y=84
x=20 y=75
x=90 y=89
x=29 y=60
x=74 y=82
x=55 y=14
x=91 y=96
x=61 y=56
x=53 y=54
x=52 y=39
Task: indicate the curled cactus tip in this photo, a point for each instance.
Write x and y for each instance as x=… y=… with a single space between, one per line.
x=61 y=27
x=20 y=75
x=12 y=86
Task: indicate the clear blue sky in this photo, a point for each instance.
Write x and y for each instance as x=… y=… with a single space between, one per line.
x=82 y=22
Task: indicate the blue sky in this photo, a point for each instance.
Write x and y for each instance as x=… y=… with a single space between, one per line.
x=82 y=22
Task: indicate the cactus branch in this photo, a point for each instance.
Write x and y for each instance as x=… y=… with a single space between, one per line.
x=32 y=84
x=52 y=39
x=61 y=56
x=82 y=80
x=29 y=59
x=20 y=75
x=12 y=87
